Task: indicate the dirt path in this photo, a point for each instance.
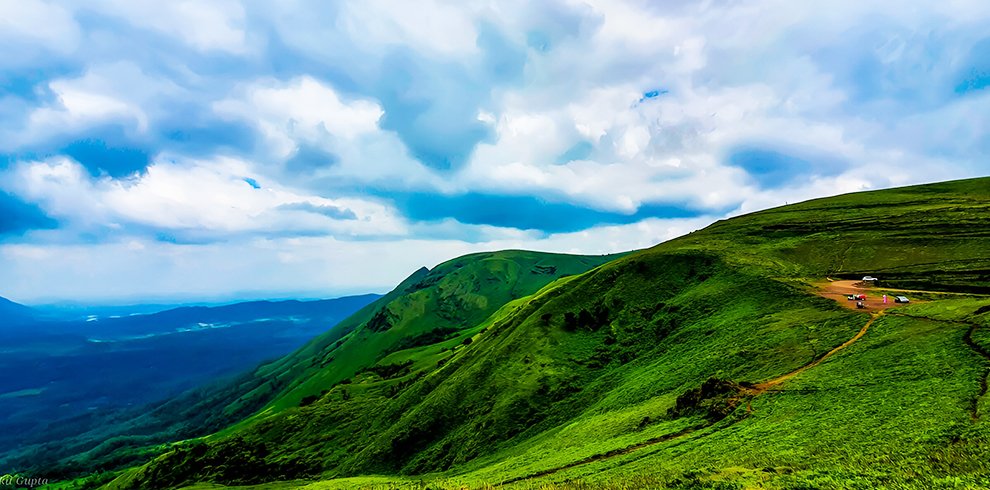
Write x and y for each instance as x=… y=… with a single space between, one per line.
x=760 y=388
x=747 y=393
x=610 y=454
x=837 y=290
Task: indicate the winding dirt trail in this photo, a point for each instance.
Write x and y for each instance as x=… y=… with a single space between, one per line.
x=748 y=393
x=760 y=388
x=837 y=290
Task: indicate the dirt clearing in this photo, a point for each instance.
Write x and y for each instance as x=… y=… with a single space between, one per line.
x=840 y=290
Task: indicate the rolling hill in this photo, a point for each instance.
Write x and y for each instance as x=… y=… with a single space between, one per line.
x=715 y=360
x=428 y=306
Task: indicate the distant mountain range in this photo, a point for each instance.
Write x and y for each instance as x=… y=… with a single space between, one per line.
x=63 y=378
x=201 y=317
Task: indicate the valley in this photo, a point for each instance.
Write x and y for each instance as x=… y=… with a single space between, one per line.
x=69 y=382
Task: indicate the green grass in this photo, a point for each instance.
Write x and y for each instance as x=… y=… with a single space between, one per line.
x=569 y=382
x=460 y=293
x=446 y=297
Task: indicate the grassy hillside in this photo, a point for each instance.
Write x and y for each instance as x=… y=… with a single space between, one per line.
x=427 y=307
x=920 y=237
x=709 y=361
x=430 y=306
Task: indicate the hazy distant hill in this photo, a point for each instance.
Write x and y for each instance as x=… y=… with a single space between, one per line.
x=62 y=379
x=11 y=313
x=189 y=318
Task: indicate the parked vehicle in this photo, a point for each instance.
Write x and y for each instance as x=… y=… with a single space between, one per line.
x=860 y=304
x=901 y=299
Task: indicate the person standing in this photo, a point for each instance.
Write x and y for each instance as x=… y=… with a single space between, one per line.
x=885 y=299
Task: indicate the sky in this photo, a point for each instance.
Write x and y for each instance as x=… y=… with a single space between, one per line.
x=228 y=149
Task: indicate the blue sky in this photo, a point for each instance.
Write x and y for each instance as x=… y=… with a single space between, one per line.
x=225 y=149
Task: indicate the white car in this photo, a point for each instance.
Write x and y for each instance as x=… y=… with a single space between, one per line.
x=901 y=299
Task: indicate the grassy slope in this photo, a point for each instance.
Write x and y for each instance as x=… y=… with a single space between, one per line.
x=445 y=302
x=285 y=382
x=920 y=237
x=457 y=294
x=591 y=365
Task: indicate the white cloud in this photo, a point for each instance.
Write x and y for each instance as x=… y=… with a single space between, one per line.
x=862 y=91
x=730 y=75
x=60 y=185
x=114 y=92
x=45 y=23
x=302 y=109
x=196 y=199
x=216 y=25
x=645 y=153
x=303 y=112
x=445 y=28
x=137 y=269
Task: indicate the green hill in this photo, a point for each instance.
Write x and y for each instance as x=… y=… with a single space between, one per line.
x=710 y=361
x=430 y=306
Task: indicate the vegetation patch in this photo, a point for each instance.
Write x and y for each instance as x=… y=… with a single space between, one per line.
x=714 y=400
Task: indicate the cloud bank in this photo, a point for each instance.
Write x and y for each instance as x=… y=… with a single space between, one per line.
x=235 y=149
